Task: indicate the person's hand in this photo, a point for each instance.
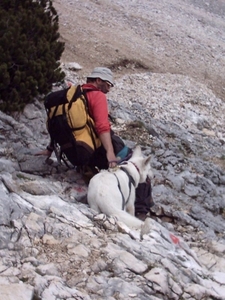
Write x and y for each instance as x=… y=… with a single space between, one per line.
x=112 y=160
x=112 y=164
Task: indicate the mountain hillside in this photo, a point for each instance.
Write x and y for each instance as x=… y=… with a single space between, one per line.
x=178 y=36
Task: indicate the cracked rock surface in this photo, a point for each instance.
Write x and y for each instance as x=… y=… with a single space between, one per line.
x=53 y=246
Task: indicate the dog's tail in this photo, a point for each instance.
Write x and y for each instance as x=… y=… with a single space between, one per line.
x=123 y=216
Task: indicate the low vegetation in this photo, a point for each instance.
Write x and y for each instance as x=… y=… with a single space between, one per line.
x=30 y=51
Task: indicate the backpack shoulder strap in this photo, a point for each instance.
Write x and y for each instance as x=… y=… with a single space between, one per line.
x=75 y=92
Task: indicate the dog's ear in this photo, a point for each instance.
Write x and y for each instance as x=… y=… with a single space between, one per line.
x=137 y=152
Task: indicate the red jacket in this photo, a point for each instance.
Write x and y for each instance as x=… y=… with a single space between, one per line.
x=98 y=108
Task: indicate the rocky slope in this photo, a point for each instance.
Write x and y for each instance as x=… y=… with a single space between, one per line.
x=54 y=247
x=178 y=36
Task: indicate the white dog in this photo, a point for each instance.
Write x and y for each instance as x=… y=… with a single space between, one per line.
x=112 y=191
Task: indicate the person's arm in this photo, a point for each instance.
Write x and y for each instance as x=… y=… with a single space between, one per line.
x=99 y=112
x=105 y=138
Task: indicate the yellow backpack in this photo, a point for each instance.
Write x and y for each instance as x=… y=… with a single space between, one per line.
x=69 y=123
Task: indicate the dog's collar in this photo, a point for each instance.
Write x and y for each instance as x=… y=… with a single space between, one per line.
x=126 y=162
x=148 y=180
x=135 y=166
x=131 y=179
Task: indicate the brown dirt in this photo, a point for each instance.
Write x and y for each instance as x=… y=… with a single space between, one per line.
x=179 y=37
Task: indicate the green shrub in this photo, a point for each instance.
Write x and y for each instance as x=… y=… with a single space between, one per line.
x=30 y=51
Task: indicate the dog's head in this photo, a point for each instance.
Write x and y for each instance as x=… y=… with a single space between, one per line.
x=142 y=164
